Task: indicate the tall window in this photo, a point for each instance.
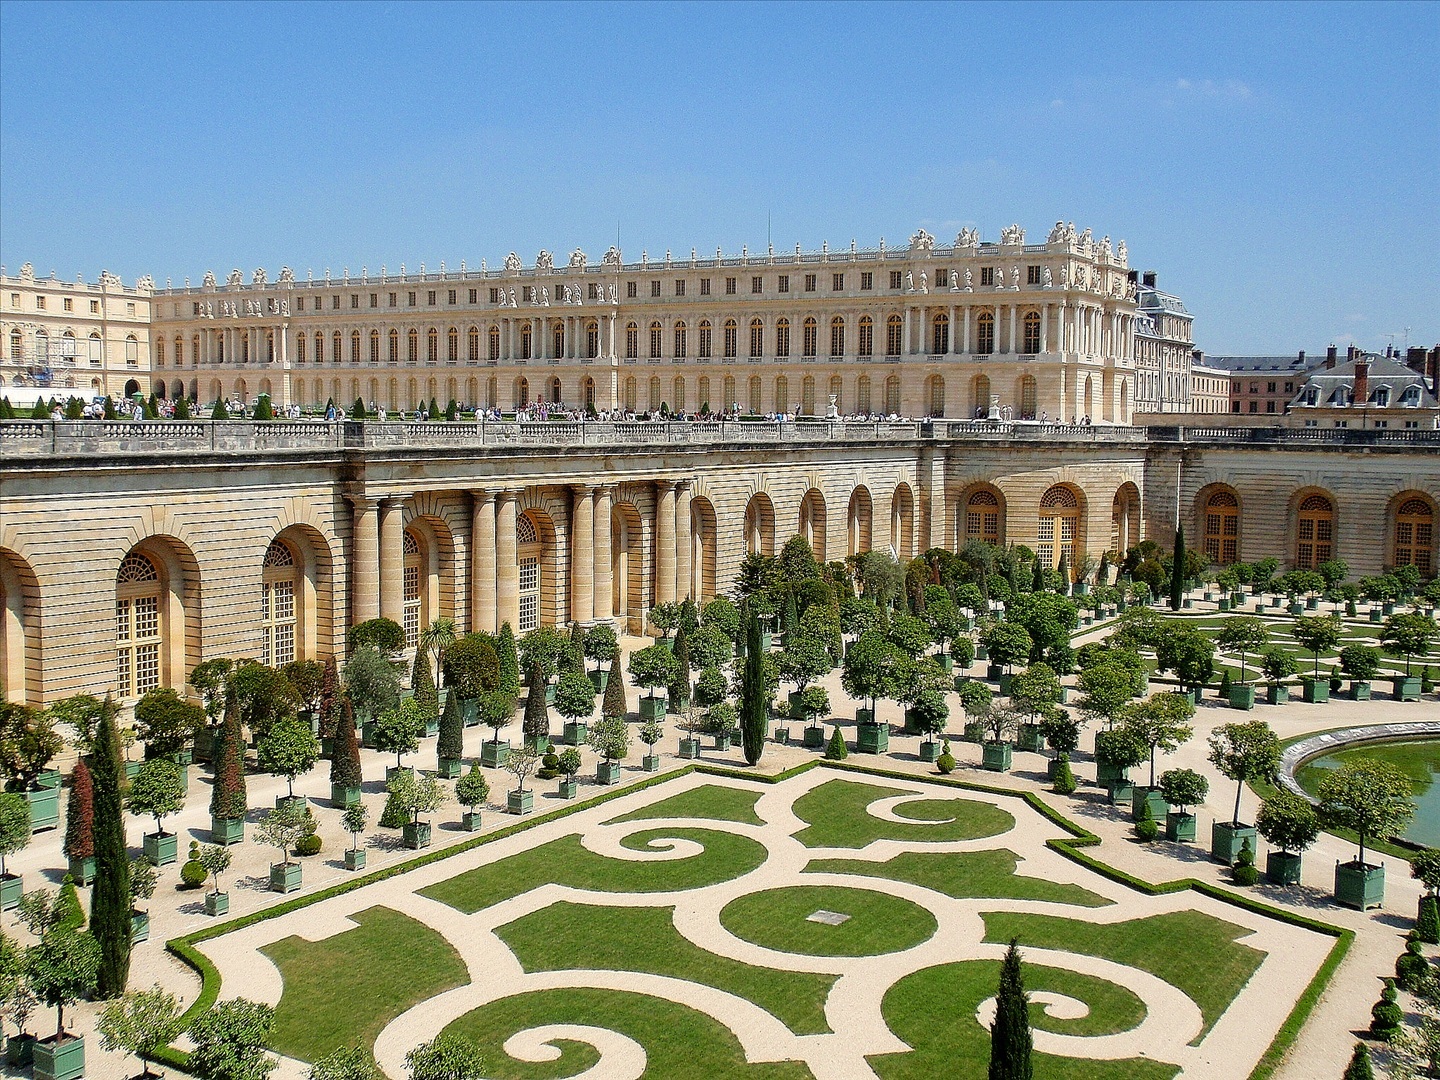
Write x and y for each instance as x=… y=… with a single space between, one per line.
x=705 y=350
x=592 y=340
x=632 y=341
x=355 y=346
x=807 y=395
x=527 y=542
x=137 y=627
x=782 y=337
x=1032 y=332
x=1028 y=395
x=494 y=336
x=452 y=345
x=681 y=340
x=526 y=334
x=657 y=341
x=654 y=393
x=982 y=518
x=937 y=395
x=810 y=335
x=940 y=333
x=862 y=395
x=782 y=394
x=414 y=577
x=394 y=346
x=892 y=395
x=729 y=398
x=837 y=336
x=1059 y=518
x=472 y=339
x=757 y=339
x=703 y=393
x=319 y=348
x=1415 y=535
x=412 y=341
x=300 y=348
x=374 y=346
x=1315 y=532
x=894 y=335
x=836 y=387
x=678 y=395
x=731 y=332
x=1222 y=527
x=277 y=605
x=630 y=394
x=982 y=396
x=756 y=402
x=557 y=340
x=985 y=333
x=867 y=336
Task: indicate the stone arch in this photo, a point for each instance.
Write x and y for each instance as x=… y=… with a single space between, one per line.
x=1312 y=525
x=627 y=555
x=1124 y=518
x=1061 y=525
x=1218 y=521
x=704 y=549
x=535 y=540
x=760 y=525
x=1410 y=531
x=859 y=521
x=175 y=589
x=20 y=667
x=980 y=515
x=1087 y=399
x=436 y=586
x=314 y=589
x=902 y=522
x=811 y=523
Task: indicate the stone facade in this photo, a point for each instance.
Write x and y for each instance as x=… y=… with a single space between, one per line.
x=131 y=551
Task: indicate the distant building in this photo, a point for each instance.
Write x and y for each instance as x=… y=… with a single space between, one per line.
x=1367 y=391
x=1264 y=385
x=1163 y=348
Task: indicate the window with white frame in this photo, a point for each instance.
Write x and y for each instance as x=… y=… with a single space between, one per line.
x=137 y=627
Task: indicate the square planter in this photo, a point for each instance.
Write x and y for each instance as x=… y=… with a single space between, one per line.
x=132 y=769
x=1180 y=827
x=20 y=1051
x=946 y=662
x=1028 y=738
x=599 y=680
x=48 y=778
x=910 y=726
x=1389 y=607
x=1312 y=604
x=1359 y=691
x=567 y=789
x=1224 y=603
x=470 y=820
x=607 y=773
x=1315 y=690
x=520 y=802
x=864 y=716
x=297 y=801
x=814 y=738
x=872 y=738
x=416 y=835
x=1106 y=771
x=285 y=877
x=974 y=732
x=367 y=735
x=1226 y=840
x=577 y=733
x=1209 y=596
x=45 y=807
x=355 y=859
x=1375 y=616
x=1296 y=608
x=83 y=870
x=1121 y=791
x=676 y=706
x=1242 y=696
x=782 y=734
x=652 y=708
x=929 y=752
x=217 y=903
x=997 y=757
x=981 y=652
x=1360 y=886
x=650 y=763
x=766 y=639
x=1003 y=681
x=722 y=740
x=432 y=728
x=449 y=768
x=1158 y=806
x=1282 y=868
x=550 y=693
x=494 y=755
x=1406 y=688
x=470 y=712
x=1276 y=695
x=60 y=1061
x=161 y=848
x=139 y=927
x=539 y=743
x=343 y=796
x=689 y=749
x=391 y=771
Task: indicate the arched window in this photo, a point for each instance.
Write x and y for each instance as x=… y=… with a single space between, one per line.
x=472 y=340
x=703 y=395
x=1059 y=521
x=807 y=395
x=452 y=345
x=782 y=337
x=355 y=346
x=592 y=339
x=756 y=402
x=1028 y=396
x=937 y=395
x=494 y=342
x=677 y=402
x=630 y=394
x=337 y=347
x=809 y=343
x=985 y=333
x=300 y=340
x=632 y=341
x=657 y=342
x=982 y=518
x=1415 y=535
x=589 y=390
x=319 y=348
x=867 y=336
x=557 y=340
x=42 y=347
x=940 y=333
x=394 y=346
x=17 y=345
x=862 y=395
x=729 y=393
x=527 y=545
x=894 y=335
x=836 y=388
x=892 y=395
x=138 y=634
x=705 y=351
x=555 y=391
x=837 y=336
x=278 y=589
x=132 y=350
x=1032 y=332
x=1314 y=532
x=414 y=599
x=96 y=348
x=782 y=394
x=654 y=405
x=731 y=344
x=159 y=348
x=1222 y=527
x=757 y=339
x=179 y=351
x=527 y=336
x=522 y=392
x=682 y=343
x=374 y=346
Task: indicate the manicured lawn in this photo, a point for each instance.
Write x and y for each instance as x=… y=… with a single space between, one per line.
x=1194 y=952
x=1353 y=633
x=566 y=862
x=343 y=990
x=963 y=875
x=878 y=923
x=565 y=936
x=836 y=815
x=934 y=1011
x=680 y=1043
x=712 y=801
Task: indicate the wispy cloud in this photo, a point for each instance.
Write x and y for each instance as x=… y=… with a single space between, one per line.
x=1232 y=89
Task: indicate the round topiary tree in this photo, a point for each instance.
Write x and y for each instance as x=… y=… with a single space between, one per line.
x=1409 y=635
x=1317 y=634
x=1183 y=788
x=289 y=749
x=1161 y=723
x=1244 y=753
x=1372 y=798
x=1243 y=634
x=652 y=667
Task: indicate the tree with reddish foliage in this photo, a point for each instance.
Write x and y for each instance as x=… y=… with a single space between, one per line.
x=345 y=758
x=228 y=801
x=80 y=815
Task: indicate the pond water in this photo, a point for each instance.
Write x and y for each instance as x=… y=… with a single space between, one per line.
x=1418 y=759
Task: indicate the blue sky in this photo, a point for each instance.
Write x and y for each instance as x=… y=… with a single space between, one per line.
x=1276 y=164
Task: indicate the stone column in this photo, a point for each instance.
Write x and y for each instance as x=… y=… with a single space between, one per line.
x=392 y=559
x=967 y=346
x=365 y=562
x=604 y=562
x=954 y=331
x=1045 y=328
x=683 y=540
x=1014 y=347
x=664 y=541
x=507 y=562
x=582 y=555
x=482 y=563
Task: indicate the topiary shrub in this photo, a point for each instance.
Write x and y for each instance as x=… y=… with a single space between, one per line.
x=946 y=761
x=1145 y=827
x=835 y=749
x=1224 y=694
x=549 y=766
x=1427 y=924
x=1334 y=680
x=1064 y=776
x=1411 y=967
x=1359 y=1067
x=308 y=845
x=192 y=874
x=1244 y=872
x=1386 y=1017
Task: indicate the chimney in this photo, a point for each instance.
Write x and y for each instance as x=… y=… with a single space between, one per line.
x=1149 y=279
x=1362 y=382
x=1302 y=358
x=1330 y=357
x=1350 y=353
x=1435 y=371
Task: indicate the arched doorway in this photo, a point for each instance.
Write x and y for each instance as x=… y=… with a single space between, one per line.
x=154 y=618
x=19 y=630
x=859 y=519
x=1124 y=519
x=627 y=554
x=812 y=522
x=980 y=517
x=902 y=523
x=1220 y=538
x=760 y=525
x=1414 y=534
x=1059 y=532
x=703 y=549
x=1314 y=531
x=279 y=611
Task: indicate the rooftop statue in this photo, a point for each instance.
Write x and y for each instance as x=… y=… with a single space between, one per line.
x=612 y=257
x=577 y=260
x=1012 y=235
x=259 y=277
x=544 y=262
x=236 y=279
x=287 y=276
x=922 y=241
x=512 y=263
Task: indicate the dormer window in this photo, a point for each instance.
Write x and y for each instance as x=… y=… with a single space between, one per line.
x=1312 y=396
x=1382 y=396
x=1411 y=396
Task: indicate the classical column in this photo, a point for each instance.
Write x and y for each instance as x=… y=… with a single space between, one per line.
x=507 y=562
x=954 y=331
x=365 y=562
x=683 y=540
x=907 y=346
x=582 y=554
x=392 y=559
x=1013 y=348
x=968 y=348
x=1045 y=328
x=664 y=541
x=482 y=563
x=604 y=562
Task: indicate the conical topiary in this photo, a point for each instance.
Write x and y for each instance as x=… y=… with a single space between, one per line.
x=1064 y=776
x=422 y=685
x=615 y=703
x=509 y=658
x=1010 y=1039
x=228 y=800
x=329 y=698
x=110 y=897
x=835 y=749
x=80 y=815
x=1359 y=1067
x=537 y=713
x=451 y=744
x=1427 y=921
x=753 y=693
x=345 y=759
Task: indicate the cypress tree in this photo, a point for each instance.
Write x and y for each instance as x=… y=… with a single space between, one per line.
x=615 y=703
x=1177 y=570
x=509 y=658
x=182 y=408
x=217 y=413
x=1359 y=1067
x=1102 y=575
x=80 y=815
x=345 y=759
x=422 y=685
x=752 y=692
x=1037 y=581
x=679 y=689
x=110 y=898
x=789 y=615
x=1010 y=1040
x=1064 y=572
x=451 y=744
x=537 y=713
x=357 y=410
x=228 y=800
x=329 y=698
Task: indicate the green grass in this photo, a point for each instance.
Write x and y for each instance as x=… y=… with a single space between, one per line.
x=934 y=1011
x=679 y=1042
x=878 y=923
x=565 y=936
x=1194 y=952
x=344 y=989
x=712 y=801
x=1354 y=632
x=566 y=862
x=963 y=875
x=835 y=813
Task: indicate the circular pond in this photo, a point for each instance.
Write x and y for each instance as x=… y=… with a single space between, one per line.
x=1419 y=759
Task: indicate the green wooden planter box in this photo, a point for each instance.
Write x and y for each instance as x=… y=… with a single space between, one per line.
x=1389 y=607
x=1275 y=695
x=689 y=749
x=981 y=652
x=470 y=820
x=1312 y=604
x=599 y=679
x=1313 y=690
x=1224 y=603
x=997 y=757
x=722 y=740
x=1282 y=868
x=872 y=738
x=161 y=848
x=650 y=763
x=132 y=769
x=946 y=662
x=550 y=693
x=285 y=877
x=539 y=743
x=327 y=747
x=48 y=778
x=1359 y=887
x=1028 y=738
x=217 y=903
x=367 y=735
x=1121 y=791
x=20 y=1051
x=567 y=789
x=494 y=755
x=432 y=728
x=577 y=733
x=1359 y=691
x=676 y=706
x=607 y=773
x=1003 y=681
x=766 y=640
x=355 y=859
x=814 y=738
x=1180 y=827
x=911 y=727
x=929 y=752
x=470 y=712
x=652 y=708
x=864 y=716
x=416 y=835
x=1406 y=688
x=83 y=870
x=297 y=801
x=1375 y=616
x=139 y=927
x=45 y=807
x=782 y=734
x=1158 y=806
x=343 y=796
x=1106 y=771
x=1242 y=696
x=449 y=768
x=520 y=802
x=60 y=1061
x=1226 y=840
x=974 y=732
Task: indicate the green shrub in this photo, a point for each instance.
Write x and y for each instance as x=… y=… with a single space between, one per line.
x=193 y=875
x=308 y=845
x=1224 y=693
x=835 y=750
x=1145 y=827
x=1386 y=1017
x=1064 y=777
x=1334 y=680
x=946 y=761
x=549 y=767
x=1427 y=923
x=1359 y=1067
x=1245 y=872
x=1411 y=967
